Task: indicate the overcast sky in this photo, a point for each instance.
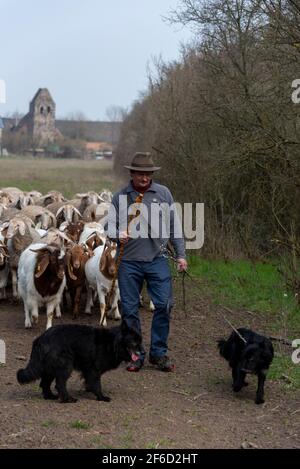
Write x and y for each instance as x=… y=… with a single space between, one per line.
x=90 y=54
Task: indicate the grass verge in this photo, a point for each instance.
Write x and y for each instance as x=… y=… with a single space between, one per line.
x=261 y=289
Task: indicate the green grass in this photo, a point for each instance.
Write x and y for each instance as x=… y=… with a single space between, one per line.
x=79 y=425
x=48 y=423
x=68 y=176
x=286 y=371
x=99 y=443
x=240 y=284
x=261 y=289
x=158 y=444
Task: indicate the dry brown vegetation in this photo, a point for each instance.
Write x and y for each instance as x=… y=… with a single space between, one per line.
x=222 y=123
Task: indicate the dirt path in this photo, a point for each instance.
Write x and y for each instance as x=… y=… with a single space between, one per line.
x=191 y=408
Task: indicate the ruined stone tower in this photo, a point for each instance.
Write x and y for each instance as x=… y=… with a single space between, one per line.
x=39 y=123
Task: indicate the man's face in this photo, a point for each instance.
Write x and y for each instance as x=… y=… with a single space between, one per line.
x=141 y=179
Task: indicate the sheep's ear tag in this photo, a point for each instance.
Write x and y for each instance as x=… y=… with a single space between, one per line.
x=38 y=267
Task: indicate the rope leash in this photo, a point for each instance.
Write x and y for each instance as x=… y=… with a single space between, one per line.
x=166 y=253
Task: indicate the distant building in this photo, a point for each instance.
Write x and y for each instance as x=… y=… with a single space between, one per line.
x=39 y=123
x=38 y=130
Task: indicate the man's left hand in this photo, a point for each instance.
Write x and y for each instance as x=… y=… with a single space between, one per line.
x=182 y=264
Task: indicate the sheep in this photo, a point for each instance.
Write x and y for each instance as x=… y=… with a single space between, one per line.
x=41 y=280
x=76 y=257
x=19 y=232
x=4 y=269
x=42 y=217
x=106 y=195
x=64 y=212
x=35 y=194
x=54 y=236
x=67 y=213
x=17 y=197
x=90 y=196
x=13 y=193
x=99 y=271
x=5 y=199
x=51 y=197
x=54 y=206
x=86 y=200
x=96 y=212
x=24 y=200
x=8 y=213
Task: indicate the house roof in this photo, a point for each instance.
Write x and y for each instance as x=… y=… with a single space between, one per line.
x=98 y=146
x=43 y=91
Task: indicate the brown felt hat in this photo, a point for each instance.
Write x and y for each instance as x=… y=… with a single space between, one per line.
x=142 y=161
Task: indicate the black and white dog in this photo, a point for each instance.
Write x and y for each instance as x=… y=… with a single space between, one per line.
x=90 y=350
x=254 y=356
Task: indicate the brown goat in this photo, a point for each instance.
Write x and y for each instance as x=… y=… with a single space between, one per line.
x=74 y=230
x=76 y=258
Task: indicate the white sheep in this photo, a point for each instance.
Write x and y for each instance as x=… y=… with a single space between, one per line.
x=67 y=213
x=42 y=217
x=41 y=280
x=96 y=212
x=106 y=195
x=90 y=197
x=24 y=200
x=49 y=198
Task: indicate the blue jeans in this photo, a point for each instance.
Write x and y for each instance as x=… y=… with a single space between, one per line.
x=157 y=274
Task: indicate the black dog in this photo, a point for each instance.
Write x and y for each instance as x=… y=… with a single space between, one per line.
x=90 y=350
x=254 y=356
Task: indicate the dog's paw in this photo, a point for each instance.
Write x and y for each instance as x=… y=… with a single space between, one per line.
x=259 y=400
x=104 y=398
x=69 y=400
x=237 y=388
x=50 y=397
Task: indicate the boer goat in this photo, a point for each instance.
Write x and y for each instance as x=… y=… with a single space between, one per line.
x=76 y=258
x=41 y=280
x=99 y=271
x=72 y=230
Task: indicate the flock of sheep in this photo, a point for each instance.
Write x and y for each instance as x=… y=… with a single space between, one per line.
x=52 y=246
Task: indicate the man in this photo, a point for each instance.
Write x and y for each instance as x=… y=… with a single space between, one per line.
x=142 y=247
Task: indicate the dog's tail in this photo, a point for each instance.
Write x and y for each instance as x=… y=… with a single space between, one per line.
x=33 y=370
x=223 y=348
